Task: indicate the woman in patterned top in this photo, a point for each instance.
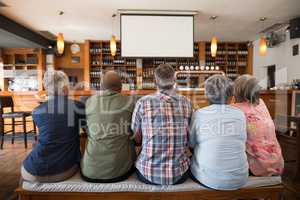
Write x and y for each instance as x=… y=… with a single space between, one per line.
x=263 y=149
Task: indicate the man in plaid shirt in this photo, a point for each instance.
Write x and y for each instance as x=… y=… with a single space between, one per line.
x=161 y=124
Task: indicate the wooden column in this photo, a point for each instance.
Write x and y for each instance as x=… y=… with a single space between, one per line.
x=86 y=65
x=250 y=60
x=1 y=72
x=202 y=53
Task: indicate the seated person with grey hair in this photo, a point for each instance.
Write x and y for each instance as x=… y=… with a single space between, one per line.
x=110 y=153
x=161 y=122
x=218 y=136
x=263 y=150
x=56 y=156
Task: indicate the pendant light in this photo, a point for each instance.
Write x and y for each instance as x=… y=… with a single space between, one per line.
x=214 y=41
x=263 y=41
x=113 y=41
x=214 y=47
x=60 y=41
x=263 y=46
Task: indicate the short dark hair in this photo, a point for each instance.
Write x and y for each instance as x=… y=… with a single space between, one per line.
x=218 y=89
x=111 y=81
x=247 y=89
x=165 y=76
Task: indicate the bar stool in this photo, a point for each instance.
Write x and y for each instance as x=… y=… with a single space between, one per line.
x=7 y=102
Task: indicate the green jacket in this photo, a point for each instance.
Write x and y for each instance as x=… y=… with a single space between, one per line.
x=109 y=150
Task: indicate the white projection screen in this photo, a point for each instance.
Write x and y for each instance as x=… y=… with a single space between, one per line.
x=157 y=36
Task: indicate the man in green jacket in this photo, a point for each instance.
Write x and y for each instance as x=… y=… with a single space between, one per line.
x=109 y=155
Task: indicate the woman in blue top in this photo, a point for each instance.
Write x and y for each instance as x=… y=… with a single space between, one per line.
x=218 y=136
x=56 y=157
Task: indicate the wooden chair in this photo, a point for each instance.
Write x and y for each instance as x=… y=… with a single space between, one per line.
x=288 y=134
x=7 y=102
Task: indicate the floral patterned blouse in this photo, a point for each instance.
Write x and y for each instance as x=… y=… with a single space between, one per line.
x=263 y=150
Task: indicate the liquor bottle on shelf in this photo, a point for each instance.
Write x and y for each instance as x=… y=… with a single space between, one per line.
x=96 y=73
x=131 y=62
x=148 y=73
x=95 y=61
x=95 y=50
x=242 y=63
x=119 y=61
x=242 y=52
x=95 y=85
x=148 y=85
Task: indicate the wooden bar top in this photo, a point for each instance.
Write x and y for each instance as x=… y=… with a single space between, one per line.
x=277 y=101
x=127 y=92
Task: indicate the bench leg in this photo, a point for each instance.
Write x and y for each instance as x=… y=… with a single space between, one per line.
x=274 y=196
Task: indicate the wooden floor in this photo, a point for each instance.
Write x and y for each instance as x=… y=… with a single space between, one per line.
x=11 y=158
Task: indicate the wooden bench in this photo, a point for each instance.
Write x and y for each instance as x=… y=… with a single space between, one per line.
x=271 y=193
x=132 y=189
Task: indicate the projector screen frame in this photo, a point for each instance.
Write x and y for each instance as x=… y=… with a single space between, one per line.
x=140 y=14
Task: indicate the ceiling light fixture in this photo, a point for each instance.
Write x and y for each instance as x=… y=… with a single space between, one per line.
x=113 y=41
x=60 y=41
x=214 y=40
x=263 y=41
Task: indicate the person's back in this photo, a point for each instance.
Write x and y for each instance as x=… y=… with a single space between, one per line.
x=109 y=155
x=161 y=123
x=57 y=153
x=218 y=136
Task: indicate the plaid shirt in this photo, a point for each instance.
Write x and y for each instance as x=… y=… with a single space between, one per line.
x=161 y=123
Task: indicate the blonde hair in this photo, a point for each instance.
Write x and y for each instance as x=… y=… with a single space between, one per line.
x=55 y=82
x=247 y=89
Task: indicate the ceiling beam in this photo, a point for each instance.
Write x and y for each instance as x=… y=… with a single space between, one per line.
x=23 y=32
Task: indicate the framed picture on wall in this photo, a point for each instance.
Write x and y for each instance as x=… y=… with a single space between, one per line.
x=75 y=59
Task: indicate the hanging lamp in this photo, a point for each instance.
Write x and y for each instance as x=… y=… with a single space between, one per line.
x=60 y=41
x=263 y=48
x=214 y=47
x=113 y=41
x=214 y=41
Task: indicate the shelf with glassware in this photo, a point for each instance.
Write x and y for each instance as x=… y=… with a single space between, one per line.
x=22 y=69
x=101 y=60
x=234 y=58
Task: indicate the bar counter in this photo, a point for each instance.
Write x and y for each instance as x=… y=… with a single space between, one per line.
x=277 y=101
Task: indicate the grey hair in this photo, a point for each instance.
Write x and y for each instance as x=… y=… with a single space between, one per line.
x=165 y=77
x=55 y=82
x=247 y=89
x=218 y=89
